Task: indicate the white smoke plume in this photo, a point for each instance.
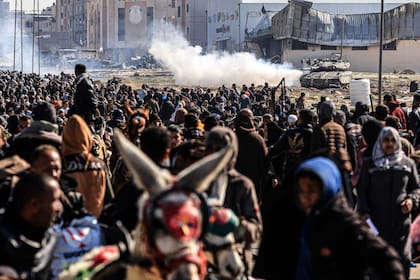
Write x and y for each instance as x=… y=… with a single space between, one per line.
x=17 y=47
x=191 y=67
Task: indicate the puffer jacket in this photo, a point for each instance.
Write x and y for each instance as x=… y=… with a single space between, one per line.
x=332 y=136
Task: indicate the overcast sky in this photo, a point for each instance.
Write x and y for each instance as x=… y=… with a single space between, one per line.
x=28 y=4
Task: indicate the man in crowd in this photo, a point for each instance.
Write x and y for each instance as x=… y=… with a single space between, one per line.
x=26 y=240
x=85 y=100
x=46 y=159
x=331 y=138
x=295 y=143
x=43 y=130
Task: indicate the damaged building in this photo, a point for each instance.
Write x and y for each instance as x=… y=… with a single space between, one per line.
x=300 y=32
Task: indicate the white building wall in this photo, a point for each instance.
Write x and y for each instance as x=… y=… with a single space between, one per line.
x=222 y=22
x=365 y=61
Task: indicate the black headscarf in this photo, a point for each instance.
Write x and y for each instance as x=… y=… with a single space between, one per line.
x=370 y=132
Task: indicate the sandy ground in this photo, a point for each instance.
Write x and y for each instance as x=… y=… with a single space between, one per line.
x=392 y=83
x=398 y=84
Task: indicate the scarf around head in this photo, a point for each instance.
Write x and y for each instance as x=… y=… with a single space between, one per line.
x=382 y=160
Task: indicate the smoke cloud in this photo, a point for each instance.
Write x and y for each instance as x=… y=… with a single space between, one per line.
x=191 y=67
x=17 y=47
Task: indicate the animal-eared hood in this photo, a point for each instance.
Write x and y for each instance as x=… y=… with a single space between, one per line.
x=77 y=137
x=328 y=173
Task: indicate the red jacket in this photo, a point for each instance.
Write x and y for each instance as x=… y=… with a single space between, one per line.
x=396 y=111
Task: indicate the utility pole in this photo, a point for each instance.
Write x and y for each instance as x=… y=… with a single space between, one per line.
x=342 y=38
x=381 y=41
x=21 y=35
x=239 y=26
x=207 y=31
x=14 y=38
x=33 y=38
x=39 y=42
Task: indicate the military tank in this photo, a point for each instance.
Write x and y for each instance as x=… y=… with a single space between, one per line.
x=326 y=73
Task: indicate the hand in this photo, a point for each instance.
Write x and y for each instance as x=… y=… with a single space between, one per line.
x=406 y=205
x=275 y=182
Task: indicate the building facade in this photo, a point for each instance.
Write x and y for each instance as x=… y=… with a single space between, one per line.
x=303 y=31
x=71 y=21
x=191 y=20
x=121 y=29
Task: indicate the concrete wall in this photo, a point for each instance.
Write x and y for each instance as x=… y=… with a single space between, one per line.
x=365 y=61
x=195 y=22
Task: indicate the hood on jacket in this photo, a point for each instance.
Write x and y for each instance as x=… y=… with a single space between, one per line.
x=245 y=121
x=327 y=171
x=41 y=130
x=393 y=104
x=77 y=137
x=222 y=137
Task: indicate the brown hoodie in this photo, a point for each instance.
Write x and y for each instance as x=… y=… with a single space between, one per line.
x=252 y=158
x=81 y=165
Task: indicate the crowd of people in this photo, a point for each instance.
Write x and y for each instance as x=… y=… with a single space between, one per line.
x=322 y=193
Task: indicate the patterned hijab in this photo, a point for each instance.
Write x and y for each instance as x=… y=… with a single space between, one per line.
x=382 y=160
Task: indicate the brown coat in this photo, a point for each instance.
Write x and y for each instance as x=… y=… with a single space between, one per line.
x=81 y=165
x=252 y=158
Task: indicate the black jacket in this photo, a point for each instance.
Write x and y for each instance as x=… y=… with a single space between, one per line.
x=296 y=144
x=85 y=99
x=25 y=249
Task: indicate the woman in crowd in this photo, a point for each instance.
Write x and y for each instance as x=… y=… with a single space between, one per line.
x=388 y=190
